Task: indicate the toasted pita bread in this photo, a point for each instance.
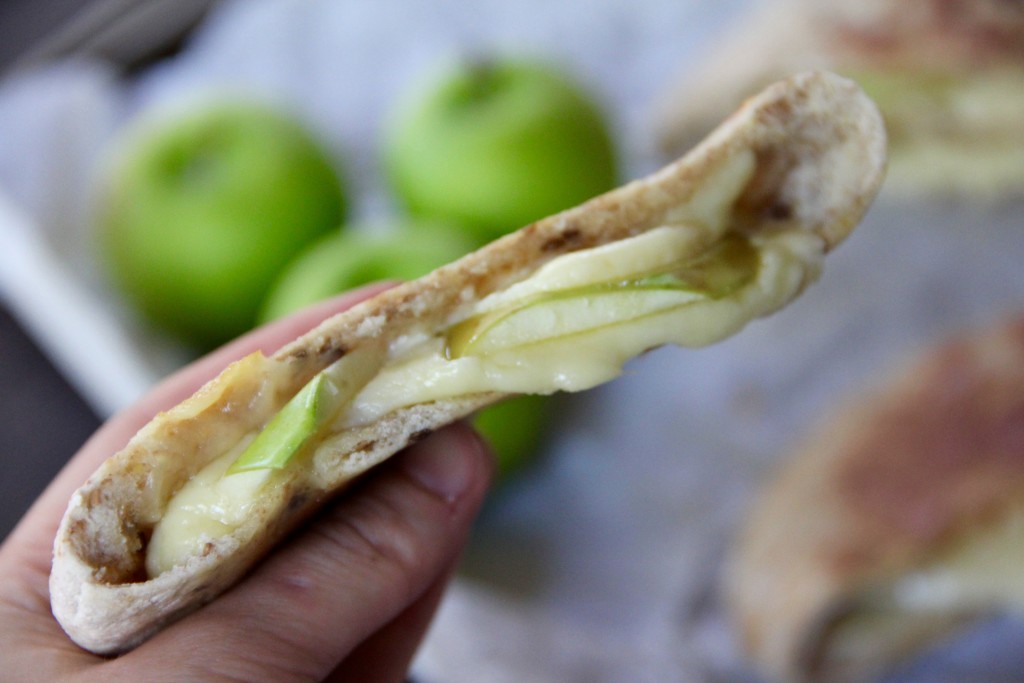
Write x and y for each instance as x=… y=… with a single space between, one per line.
x=897 y=522
x=948 y=76
x=819 y=152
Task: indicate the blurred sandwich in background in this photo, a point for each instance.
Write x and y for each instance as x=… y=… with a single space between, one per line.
x=948 y=76
x=899 y=521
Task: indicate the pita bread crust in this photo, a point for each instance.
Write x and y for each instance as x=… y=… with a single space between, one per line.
x=883 y=486
x=820 y=150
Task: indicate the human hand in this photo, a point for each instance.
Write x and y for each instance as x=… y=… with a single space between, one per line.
x=348 y=597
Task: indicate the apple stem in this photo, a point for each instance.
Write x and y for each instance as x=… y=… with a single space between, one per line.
x=483 y=77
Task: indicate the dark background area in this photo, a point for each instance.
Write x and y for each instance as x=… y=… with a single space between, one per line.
x=43 y=421
x=25 y=24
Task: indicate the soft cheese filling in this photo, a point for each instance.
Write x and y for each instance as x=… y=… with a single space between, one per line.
x=542 y=339
x=568 y=327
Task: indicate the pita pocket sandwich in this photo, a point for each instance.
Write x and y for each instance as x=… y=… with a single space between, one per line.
x=899 y=521
x=732 y=231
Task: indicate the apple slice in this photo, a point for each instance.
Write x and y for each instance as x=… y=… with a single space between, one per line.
x=220 y=496
x=304 y=416
x=563 y=313
x=291 y=428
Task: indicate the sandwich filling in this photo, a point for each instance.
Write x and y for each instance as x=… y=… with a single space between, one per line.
x=941 y=123
x=569 y=326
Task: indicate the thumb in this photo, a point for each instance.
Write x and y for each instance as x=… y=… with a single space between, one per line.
x=356 y=570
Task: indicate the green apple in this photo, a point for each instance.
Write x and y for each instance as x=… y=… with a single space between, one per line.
x=495 y=145
x=200 y=209
x=515 y=429
x=359 y=255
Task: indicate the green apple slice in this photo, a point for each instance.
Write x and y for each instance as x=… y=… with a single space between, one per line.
x=290 y=429
x=564 y=313
x=219 y=497
x=305 y=415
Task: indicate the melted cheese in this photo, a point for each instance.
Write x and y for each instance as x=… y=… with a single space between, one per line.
x=209 y=506
x=216 y=500
x=581 y=361
x=562 y=345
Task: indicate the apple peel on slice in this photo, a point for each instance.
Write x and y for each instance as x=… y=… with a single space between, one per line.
x=790 y=174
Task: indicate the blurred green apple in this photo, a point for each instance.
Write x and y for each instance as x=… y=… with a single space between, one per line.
x=201 y=208
x=515 y=428
x=355 y=257
x=496 y=145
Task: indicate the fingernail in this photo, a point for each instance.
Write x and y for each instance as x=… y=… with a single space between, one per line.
x=444 y=462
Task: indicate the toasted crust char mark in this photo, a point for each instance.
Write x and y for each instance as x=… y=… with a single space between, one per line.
x=760 y=202
x=297 y=502
x=94 y=497
x=780 y=211
x=326 y=352
x=559 y=243
x=331 y=351
x=364 y=446
x=419 y=436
